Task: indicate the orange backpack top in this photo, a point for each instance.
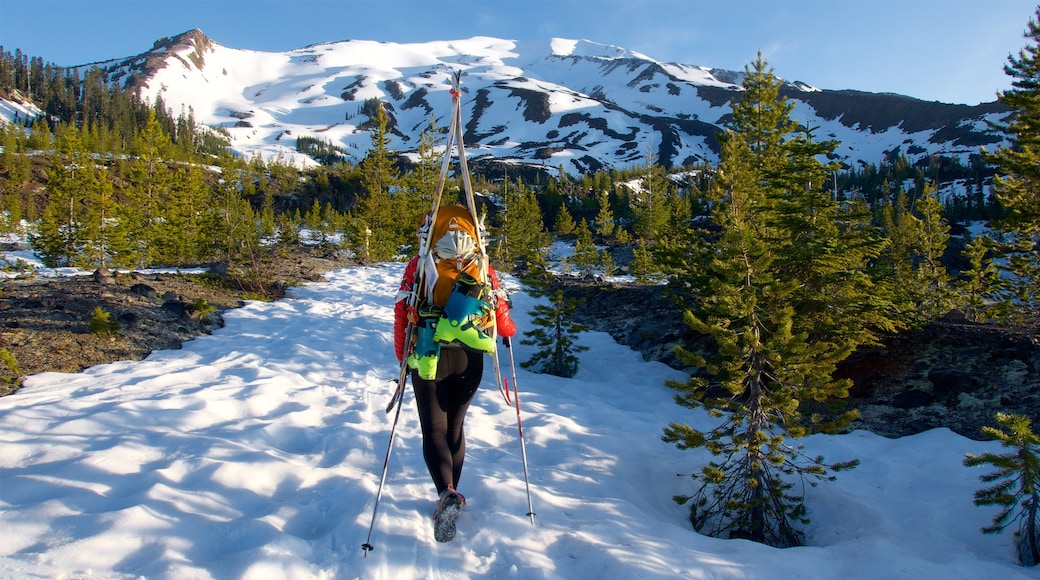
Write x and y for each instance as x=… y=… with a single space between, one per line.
x=453 y=251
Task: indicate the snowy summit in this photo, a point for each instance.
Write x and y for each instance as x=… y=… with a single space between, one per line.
x=545 y=105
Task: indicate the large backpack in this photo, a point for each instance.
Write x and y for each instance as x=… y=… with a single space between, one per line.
x=455 y=305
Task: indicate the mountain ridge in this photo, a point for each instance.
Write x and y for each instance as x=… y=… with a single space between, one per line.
x=560 y=103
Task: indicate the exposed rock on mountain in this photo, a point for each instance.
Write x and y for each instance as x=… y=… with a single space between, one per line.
x=563 y=103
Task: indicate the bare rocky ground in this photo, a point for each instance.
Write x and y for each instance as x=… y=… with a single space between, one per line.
x=948 y=374
x=45 y=322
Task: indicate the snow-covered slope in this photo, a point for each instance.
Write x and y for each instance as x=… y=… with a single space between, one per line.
x=559 y=102
x=256 y=453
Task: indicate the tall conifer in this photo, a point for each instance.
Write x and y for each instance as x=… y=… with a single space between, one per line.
x=751 y=287
x=1017 y=185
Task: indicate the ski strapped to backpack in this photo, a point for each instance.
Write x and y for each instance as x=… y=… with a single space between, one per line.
x=412 y=298
x=451 y=299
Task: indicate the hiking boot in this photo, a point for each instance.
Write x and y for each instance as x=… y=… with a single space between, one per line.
x=449 y=506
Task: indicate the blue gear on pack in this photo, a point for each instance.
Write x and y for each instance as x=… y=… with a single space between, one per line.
x=427 y=351
x=464 y=316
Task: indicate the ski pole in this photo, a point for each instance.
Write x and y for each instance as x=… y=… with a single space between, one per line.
x=402 y=379
x=367 y=546
x=520 y=427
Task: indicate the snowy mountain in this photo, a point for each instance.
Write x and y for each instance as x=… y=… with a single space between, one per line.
x=558 y=103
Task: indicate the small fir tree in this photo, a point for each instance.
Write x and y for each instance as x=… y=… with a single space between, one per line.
x=1016 y=483
x=606 y=261
x=642 y=267
x=605 y=223
x=10 y=373
x=522 y=232
x=586 y=256
x=564 y=224
x=378 y=231
x=101 y=323
x=553 y=333
x=978 y=282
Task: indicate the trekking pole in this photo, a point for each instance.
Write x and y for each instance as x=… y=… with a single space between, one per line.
x=367 y=546
x=520 y=427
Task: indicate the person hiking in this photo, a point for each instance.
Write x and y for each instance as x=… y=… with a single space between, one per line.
x=455 y=321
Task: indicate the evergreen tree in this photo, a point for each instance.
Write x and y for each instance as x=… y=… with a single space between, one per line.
x=59 y=238
x=564 y=224
x=149 y=181
x=378 y=230
x=931 y=273
x=419 y=185
x=1016 y=483
x=553 y=331
x=606 y=261
x=1017 y=185
x=233 y=226
x=523 y=238
x=586 y=256
x=643 y=267
x=14 y=173
x=651 y=201
x=101 y=229
x=979 y=282
x=771 y=377
x=605 y=224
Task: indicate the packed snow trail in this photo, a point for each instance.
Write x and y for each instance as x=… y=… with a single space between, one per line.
x=255 y=452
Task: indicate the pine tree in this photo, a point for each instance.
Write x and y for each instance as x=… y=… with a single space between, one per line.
x=522 y=233
x=146 y=193
x=1016 y=483
x=586 y=256
x=419 y=185
x=979 y=281
x=59 y=236
x=101 y=323
x=931 y=273
x=233 y=228
x=564 y=224
x=1017 y=184
x=771 y=376
x=605 y=224
x=104 y=239
x=553 y=330
x=643 y=267
x=651 y=200
x=377 y=233
x=916 y=242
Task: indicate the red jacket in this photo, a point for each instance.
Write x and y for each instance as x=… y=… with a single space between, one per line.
x=503 y=321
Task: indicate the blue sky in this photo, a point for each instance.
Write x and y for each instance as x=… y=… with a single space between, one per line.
x=944 y=50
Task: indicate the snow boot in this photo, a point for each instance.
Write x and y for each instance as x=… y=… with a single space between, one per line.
x=449 y=506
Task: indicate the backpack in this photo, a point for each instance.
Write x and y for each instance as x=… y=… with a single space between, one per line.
x=455 y=300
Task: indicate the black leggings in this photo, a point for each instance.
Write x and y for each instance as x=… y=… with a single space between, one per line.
x=442 y=405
